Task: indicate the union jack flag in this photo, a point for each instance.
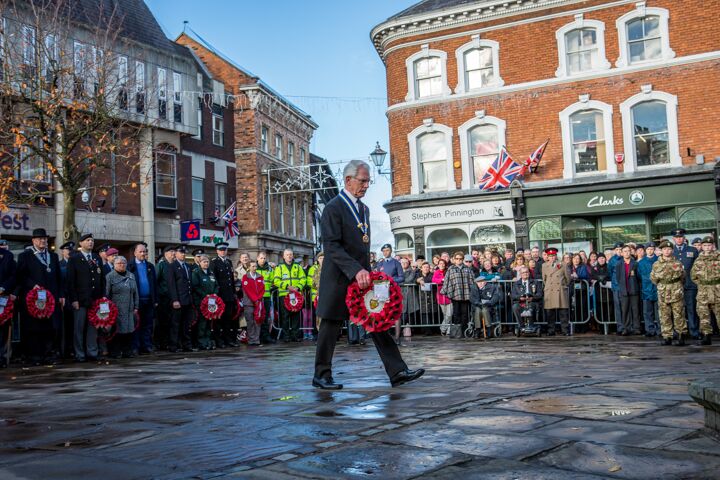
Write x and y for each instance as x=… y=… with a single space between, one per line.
x=502 y=172
x=534 y=159
x=232 y=228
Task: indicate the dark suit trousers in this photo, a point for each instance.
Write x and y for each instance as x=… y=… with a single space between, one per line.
x=327 y=338
x=180 y=327
x=630 y=319
x=142 y=337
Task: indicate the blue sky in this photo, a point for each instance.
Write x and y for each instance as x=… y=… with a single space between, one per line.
x=317 y=48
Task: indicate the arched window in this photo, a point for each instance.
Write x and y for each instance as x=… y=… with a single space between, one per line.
x=545 y=231
x=478 y=65
x=404 y=241
x=587 y=138
x=581 y=47
x=662 y=223
x=447 y=237
x=698 y=219
x=650 y=131
x=431 y=158
x=427 y=74
x=644 y=36
x=492 y=235
x=481 y=140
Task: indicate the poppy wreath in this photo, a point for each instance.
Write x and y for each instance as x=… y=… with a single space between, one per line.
x=369 y=313
x=259 y=313
x=239 y=307
x=39 y=309
x=103 y=320
x=7 y=311
x=315 y=302
x=217 y=310
x=297 y=306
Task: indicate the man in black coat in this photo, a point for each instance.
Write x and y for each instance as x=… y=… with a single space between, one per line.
x=85 y=284
x=179 y=285
x=65 y=339
x=225 y=332
x=526 y=295
x=8 y=268
x=628 y=282
x=38 y=267
x=346 y=243
x=146 y=280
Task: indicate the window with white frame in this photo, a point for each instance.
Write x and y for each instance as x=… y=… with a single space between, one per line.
x=480 y=141
x=303 y=218
x=644 y=36
x=28 y=46
x=264 y=139
x=278 y=147
x=166 y=177
x=50 y=60
x=281 y=202
x=293 y=216
x=220 y=197
x=139 y=87
x=80 y=69
x=198 y=199
x=587 y=138
x=427 y=74
x=122 y=80
x=268 y=219
x=433 y=156
x=218 y=127
x=162 y=92
x=291 y=153
x=478 y=65
x=199 y=118
x=177 y=97
x=302 y=156
x=650 y=130
x=581 y=47
x=32 y=167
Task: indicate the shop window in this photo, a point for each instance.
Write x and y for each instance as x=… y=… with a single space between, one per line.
x=586 y=147
x=578 y=234
x=448 y=237
x=478 y=65
x=545 y=232
x=698 y=219
x=404 y=241
x=623 y=228
x=492 y=236
x=663 y=223
x=644 y=36
x=427 y=74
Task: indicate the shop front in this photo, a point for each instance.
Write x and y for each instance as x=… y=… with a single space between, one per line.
x=599 y=217
x=17 y=224
x=425 y=228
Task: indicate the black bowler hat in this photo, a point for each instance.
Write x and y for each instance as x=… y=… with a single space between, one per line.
x=68 y=246
x=678 y=232
x=39 y=233
x=222 y=246
x=169 y=248
x=86 y=236
x=198 y=251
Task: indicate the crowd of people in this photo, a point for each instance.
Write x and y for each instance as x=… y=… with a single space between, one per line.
x=671 y=290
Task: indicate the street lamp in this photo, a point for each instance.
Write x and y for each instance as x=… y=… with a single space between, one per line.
x=378 y=159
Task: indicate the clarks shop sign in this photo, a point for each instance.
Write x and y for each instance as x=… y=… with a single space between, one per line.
x=627 y=199
x=446 y=214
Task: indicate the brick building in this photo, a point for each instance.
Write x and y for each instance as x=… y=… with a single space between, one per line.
x=271 y=147
x=625 y=91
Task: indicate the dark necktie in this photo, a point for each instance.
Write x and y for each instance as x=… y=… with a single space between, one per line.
x=187 y=276
x=361 y=210
x=44 y=256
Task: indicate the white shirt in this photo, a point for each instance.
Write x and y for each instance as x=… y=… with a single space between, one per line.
x=353 y=199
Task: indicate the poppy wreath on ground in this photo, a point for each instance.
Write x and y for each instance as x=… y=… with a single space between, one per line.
x=293 y=305
x=239 y=307
x=212 y=307
x=40 y=308
x=103 y=314
x=6 y=311
x=367 y=311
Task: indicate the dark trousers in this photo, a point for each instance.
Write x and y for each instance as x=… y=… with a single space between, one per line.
x=142 y=337
x=630 y=314
x=164 y=319
x=38 y=336
x=265 y=325
x=180 y=327
x=121 y=344
x=617 y=309
x=461 y=312
x=692 y=320
x=225 y=329
x=650 y=313
x=66 y=333
x=327 y=338
x=523 y=322
x=289 y=322
x=551 y=315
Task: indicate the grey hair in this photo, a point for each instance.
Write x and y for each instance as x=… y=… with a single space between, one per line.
x=120 y=258
x=203 y=257
x=353 y=166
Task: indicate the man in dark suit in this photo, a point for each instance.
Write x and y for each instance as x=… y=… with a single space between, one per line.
x=179 y=284
x=85 y=284
x=687 y=254
x=146 y=280
x=628 y=281
x=164 y=312
x=346 y=243
x=38 y=267
x=66 y=334
x=225 y=333
x=8 y=268
x=526 y=295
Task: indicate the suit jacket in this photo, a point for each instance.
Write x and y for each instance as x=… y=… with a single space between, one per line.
x=223 y=270
x=632 y=286
x=8 y=268
x=85 y=280
x=31 y=271
x=518 y=290
x=151 y=276
x=345 y=255
x=556 y=279
x=179 y=283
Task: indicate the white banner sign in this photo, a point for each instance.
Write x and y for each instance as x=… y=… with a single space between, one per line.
x=210 y=238
x=448 y=214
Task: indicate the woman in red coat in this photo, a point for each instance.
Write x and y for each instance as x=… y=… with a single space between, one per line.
x=253 y=285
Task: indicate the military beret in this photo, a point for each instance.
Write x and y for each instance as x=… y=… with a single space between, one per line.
x=666 y=243
x=650 y=244
x=68 y=246
x=86 y=236
x=198 y=251
x=387 y=245
x=104 y=247
x=619 y=245
x=678 y=232
x=709 y=240
x=169 y=248
x=696 y=240
x=112 y=251
x=640 y=245
x=485 y=277
x=551 y=251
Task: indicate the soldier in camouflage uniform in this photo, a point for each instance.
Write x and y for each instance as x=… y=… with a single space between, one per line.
x=668 y=274
x=706 y=273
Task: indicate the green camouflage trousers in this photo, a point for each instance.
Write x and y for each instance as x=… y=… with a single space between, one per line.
x=668 y=312
x=703 y=312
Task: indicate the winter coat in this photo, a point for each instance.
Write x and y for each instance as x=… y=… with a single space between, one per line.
x=556 y=280
x=438 y=279
x=410 y=291
x=122 y=290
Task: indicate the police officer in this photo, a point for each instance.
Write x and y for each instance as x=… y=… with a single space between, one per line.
x=226 y=329
x=687 y=254
x=197 y=253
x=668 y=274
x=706 y=274
x=7 y=287
x=289 y=278
x=179 y=285
x=85 y=284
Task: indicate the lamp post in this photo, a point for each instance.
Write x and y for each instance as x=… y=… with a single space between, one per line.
x=378 y=159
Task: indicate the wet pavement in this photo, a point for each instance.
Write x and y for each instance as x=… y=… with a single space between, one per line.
x=584 y=407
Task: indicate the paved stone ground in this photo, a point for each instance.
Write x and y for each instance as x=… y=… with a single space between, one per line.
x=564 y=408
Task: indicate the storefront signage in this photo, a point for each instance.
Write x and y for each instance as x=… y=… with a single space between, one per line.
x=449 y=214
x=210 y=238
x=622 y=200
x=15 y=221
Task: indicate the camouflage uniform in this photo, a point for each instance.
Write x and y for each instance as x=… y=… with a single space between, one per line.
x=668 y=275
x=706 y=273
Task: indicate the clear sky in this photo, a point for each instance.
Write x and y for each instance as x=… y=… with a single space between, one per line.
x=314 y=49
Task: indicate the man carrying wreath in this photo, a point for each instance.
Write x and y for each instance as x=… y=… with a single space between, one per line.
x=345 y=225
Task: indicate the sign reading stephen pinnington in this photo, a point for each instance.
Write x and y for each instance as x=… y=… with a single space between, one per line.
x=448 y=214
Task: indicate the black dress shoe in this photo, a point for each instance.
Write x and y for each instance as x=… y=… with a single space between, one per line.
x=666 y=341
x=681 y=340
x=326 y=383
x=406 y=376
x=706 y=340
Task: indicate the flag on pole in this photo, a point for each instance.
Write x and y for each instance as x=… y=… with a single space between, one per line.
x=502 y=172
x=232 y=228
x=534 y=159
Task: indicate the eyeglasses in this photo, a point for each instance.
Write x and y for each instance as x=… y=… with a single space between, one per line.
x=363 y=181
x=458 y=258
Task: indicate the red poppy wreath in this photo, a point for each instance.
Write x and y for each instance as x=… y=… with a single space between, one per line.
x=369 y=311
x=39 y=304
x=103 y=314
x=6 y=310
x=293 y=303
x=212 y=307
x=239 y=308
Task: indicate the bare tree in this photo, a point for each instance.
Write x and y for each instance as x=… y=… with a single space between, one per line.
x=70 y=116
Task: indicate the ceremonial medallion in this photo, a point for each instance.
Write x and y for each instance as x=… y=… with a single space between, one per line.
x=366 y=238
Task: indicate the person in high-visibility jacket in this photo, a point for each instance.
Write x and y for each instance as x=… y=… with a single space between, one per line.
x=313 y=282
x=290 y=280
x=266 y=270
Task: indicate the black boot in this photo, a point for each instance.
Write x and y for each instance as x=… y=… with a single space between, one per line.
x=681 y=340
x=666 y=341
x=476 y=333
x=706 y=340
